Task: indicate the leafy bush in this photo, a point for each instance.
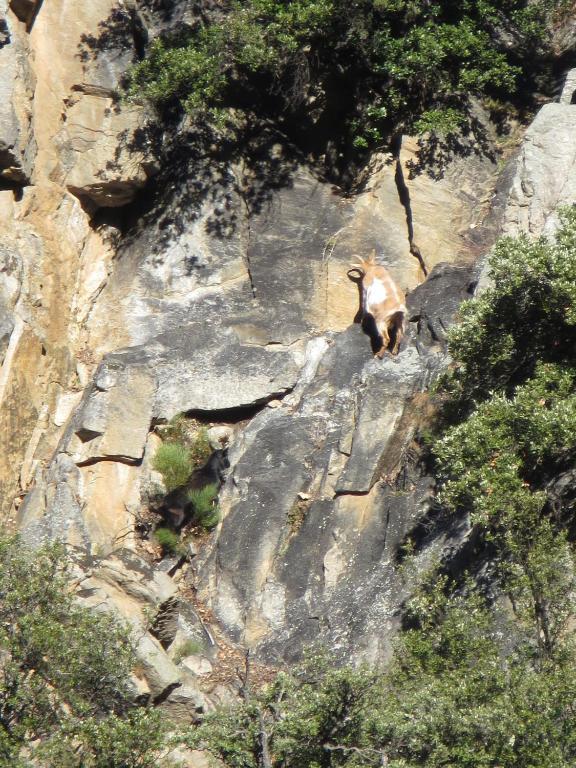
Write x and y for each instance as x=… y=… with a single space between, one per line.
x=454 y=695
x=173 y=462
x=516 y=380
x=182 y=451
x=529 y=315
x=364 y=70
x=206 y=513
x=64 y=673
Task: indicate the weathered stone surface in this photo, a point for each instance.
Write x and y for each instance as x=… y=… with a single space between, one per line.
x=569 y=89
x=161 y=674
x=184 y=705
x=104 y=158
x=197 y=665
x=17 y=145
x=230 y=292
x=316 y=500
x=545 y=176
x=386 y=389
x=115 y=417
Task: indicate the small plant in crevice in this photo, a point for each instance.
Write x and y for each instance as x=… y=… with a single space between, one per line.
x=185 y=447
x=297 y=514
x=189 y=647
x=205 y=510
x=168 y=540
x=173 y=462
x=200 y=448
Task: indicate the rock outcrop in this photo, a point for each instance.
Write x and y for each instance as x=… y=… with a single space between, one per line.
x=219 y=288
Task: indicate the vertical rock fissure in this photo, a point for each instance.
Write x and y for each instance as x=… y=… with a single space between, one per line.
x=404 y=197
x=242 y=194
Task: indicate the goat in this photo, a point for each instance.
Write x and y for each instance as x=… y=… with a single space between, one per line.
x=383 y=301
x=176 y=508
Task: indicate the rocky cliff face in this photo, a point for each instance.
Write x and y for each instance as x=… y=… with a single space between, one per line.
x=220 y=290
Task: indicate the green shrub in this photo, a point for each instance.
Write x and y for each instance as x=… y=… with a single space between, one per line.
x=513 y=396
x=463 y=690
x=206 y=513
x=173 y=462
x=380 y=66
x=529 y=315
x=168 y=540
x=65 y=673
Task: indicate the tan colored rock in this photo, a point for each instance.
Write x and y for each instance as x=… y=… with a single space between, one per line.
x=115 y=417
x=101 y=159
x=197 y=665
x=184 y=705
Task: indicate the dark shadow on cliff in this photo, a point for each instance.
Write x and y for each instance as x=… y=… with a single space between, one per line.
x=435 y=152
x=123 y=30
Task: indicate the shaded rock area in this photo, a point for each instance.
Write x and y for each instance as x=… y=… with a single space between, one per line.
x=217 y=287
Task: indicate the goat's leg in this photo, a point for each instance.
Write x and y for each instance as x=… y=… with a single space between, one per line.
x=385 y=336
x=399 y=327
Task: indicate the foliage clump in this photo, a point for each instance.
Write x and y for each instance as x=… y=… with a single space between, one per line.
x=527 y=316
x=182 y=451
x=180 y=454
x=173 y=462
x=168 y=540
x=205 y=511
x=65 y=697
x=189 y=647
x=362 y=71
x=455 y=694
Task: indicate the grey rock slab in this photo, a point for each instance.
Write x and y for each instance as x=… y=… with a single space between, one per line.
x=17 y=146
x=386 y=388
x=288 y=247
x=160 y=672
x=207 y=368
x=135 y=577
x=204 y=367
x=184 y=705
x=545 y=171
x=569 y=90
x=433 y=305
x=52 y=511
x=114 y=417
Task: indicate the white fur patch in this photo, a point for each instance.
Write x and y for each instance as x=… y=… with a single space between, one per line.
x=376 y=293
